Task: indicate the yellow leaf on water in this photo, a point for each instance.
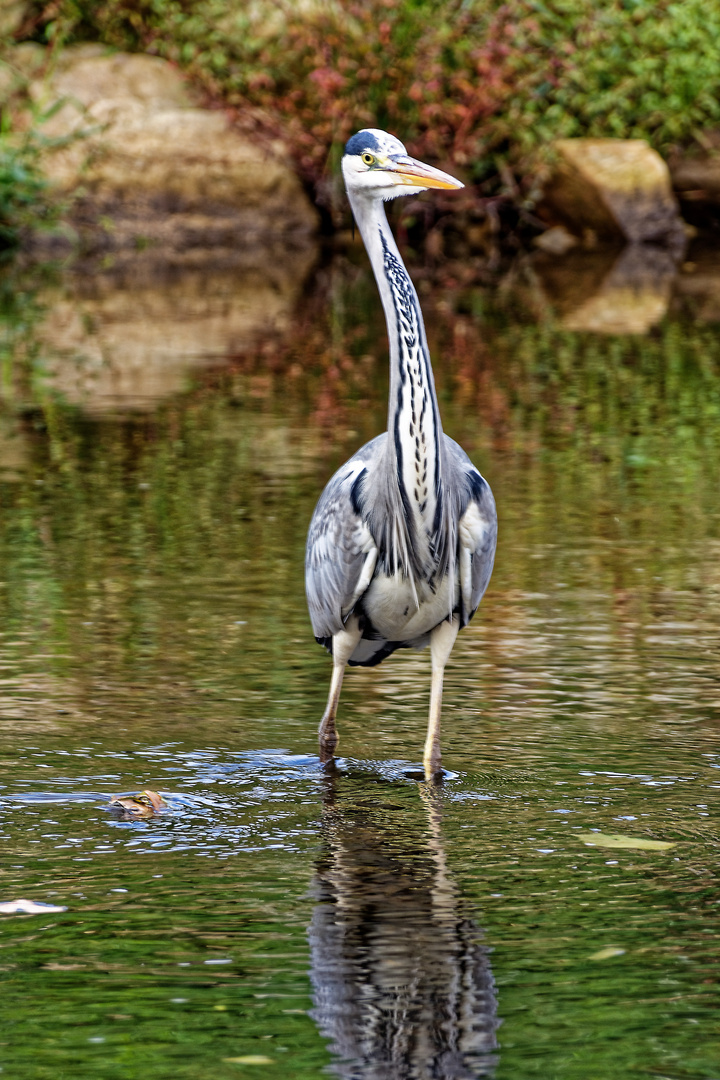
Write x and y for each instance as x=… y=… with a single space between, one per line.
x=154 y=798
x=251 y=1059
x=132 y=805
x=144 y=804
x=607 y=953
x=617 y=840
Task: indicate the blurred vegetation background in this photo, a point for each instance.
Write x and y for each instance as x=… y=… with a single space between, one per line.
x=481 y=85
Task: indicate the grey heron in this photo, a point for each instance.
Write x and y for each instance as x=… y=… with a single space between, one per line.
x=401 y=545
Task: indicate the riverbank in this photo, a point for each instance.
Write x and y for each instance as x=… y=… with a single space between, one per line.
x=489 y=91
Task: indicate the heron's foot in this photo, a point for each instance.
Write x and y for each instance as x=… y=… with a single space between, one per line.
x=326 y=754
x=328 y=741
x=433 y=768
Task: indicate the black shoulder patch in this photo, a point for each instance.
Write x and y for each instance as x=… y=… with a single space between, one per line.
x=364 y=140
x=477 y=485
x=356 y=492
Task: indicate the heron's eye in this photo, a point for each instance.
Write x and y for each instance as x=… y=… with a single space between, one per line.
x=368 y=158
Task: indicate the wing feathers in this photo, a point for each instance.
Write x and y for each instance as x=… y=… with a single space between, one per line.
x=341 y=553
x=477 y=534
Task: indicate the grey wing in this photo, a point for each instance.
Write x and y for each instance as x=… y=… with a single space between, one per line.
x=341 y=553
x=483 y=540
x=477 y=532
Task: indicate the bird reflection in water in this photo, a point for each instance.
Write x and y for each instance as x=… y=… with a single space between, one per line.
x=403 y=988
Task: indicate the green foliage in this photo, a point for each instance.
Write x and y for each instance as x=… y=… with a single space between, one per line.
x=25 y=199
x=22 y=187
x=480 y=82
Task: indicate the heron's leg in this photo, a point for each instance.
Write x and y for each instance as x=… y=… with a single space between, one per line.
x=442 y=640
x=344 y=645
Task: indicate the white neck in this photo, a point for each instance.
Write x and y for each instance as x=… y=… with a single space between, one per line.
x=414 y=444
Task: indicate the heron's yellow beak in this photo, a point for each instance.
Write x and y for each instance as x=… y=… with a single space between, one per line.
x=416 y=174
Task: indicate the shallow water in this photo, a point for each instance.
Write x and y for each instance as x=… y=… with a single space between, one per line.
x=276 y=920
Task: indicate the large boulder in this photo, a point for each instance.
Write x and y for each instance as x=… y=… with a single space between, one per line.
x=612 y=190
x=142 y=156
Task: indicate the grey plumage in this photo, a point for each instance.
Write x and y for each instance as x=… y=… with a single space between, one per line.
x=401 y=545
x=357 y=505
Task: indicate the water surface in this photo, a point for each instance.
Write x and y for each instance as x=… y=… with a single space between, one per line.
x=275 y=920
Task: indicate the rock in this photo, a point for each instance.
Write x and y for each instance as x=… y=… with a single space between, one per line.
x=696 y=179
x=697 y=176
x=141 y=153
x=17 y=66
x=606 y=292
x=612 y=189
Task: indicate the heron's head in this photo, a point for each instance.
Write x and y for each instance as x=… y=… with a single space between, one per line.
x=377 y=165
